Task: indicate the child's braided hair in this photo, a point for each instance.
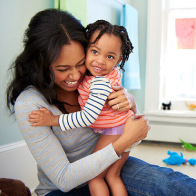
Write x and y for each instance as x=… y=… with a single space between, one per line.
x=119 y=31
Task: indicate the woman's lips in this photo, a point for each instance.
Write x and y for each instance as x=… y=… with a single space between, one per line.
x=72 y=84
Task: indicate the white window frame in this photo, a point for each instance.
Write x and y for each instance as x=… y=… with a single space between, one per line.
x=167 y=125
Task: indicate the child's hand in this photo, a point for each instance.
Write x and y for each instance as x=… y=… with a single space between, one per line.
x=43 y=117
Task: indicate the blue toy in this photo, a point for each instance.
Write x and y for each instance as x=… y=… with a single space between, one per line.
x=176 y=159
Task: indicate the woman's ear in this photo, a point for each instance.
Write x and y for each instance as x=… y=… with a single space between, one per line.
x=119 y=60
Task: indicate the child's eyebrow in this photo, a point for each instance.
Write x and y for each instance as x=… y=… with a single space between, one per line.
x=112 y=53
x=95 y=46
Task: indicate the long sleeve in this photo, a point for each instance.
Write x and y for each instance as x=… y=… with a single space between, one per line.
x=100 y=89
x=63 y=157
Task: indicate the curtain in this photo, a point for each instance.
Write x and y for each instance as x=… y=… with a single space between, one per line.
x=131 y=76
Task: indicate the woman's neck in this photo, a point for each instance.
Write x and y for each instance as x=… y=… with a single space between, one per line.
x=69 y=98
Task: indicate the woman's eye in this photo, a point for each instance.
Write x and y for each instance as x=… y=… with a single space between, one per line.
x=81 y=64
x=62 y=70
x=110 y=57
x=94 y=51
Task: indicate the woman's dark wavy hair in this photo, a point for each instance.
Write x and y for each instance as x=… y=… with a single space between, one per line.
x=47 y=32
x=119 y=31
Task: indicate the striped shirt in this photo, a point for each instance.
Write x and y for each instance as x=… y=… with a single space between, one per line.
x=108 y=117
x=94 y=113
x=64 y=159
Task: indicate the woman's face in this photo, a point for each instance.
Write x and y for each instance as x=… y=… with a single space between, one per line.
x=69 y=68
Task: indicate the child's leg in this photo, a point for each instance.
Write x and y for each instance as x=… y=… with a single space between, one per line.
x=113 y=179
x=98 y=185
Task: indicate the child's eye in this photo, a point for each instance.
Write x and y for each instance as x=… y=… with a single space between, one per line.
x=110 y=57
x=94 y=51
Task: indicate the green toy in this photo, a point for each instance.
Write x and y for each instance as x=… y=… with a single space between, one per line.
x=187 y=146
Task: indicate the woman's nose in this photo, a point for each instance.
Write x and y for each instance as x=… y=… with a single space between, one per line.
x=75 y=74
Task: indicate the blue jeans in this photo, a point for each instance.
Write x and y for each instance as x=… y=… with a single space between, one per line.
x=141 y=178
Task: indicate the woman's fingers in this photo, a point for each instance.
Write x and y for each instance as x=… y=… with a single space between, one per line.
x=118 y=101
x=115 y=95
x=121 y=101
x=121 y=106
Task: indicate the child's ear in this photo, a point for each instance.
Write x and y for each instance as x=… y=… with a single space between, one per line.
x=119 y=60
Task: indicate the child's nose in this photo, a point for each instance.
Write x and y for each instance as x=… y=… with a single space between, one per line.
x=100 y=60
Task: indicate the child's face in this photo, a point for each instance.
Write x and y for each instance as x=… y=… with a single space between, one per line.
x=103 y=56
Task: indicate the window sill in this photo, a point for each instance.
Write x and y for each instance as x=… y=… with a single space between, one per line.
x=172 y=116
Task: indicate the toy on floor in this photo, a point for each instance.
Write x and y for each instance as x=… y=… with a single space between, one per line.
x=187 y=146
x=176 y=159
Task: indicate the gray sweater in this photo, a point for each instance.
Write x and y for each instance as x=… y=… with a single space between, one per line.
x=64 y=159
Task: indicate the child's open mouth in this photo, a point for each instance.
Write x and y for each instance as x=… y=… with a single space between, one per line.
x=97 y=69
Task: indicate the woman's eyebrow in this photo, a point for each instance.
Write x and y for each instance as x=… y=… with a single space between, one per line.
x=81 y=60
x=69 y=65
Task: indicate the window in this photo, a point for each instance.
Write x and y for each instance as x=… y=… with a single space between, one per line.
x=162 y=70
x=171 y=62
x=178 y=62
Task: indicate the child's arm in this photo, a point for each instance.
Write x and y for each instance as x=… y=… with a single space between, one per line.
x=100 y=89
x=43 y=117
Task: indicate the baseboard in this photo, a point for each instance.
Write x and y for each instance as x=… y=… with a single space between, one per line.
x=17 y=162
x=12 y=146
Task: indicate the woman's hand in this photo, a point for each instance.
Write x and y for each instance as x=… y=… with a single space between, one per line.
x=121 y=101
x=136 y=128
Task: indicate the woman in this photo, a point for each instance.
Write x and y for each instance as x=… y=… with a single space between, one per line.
x=47 y=74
